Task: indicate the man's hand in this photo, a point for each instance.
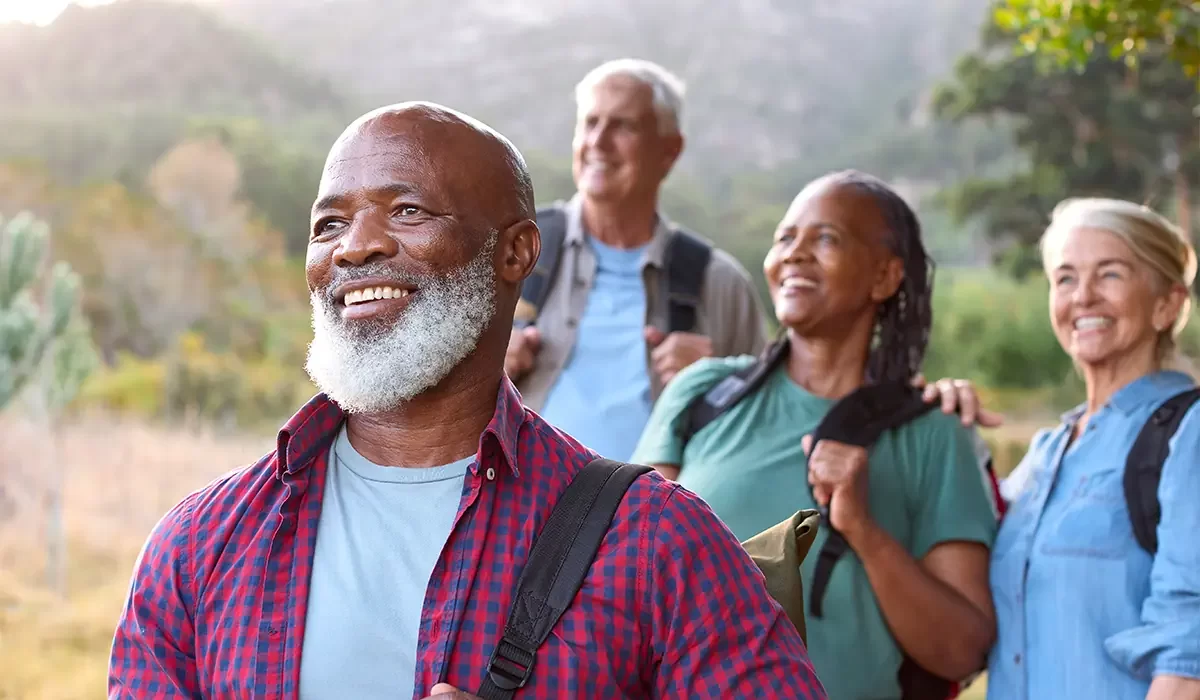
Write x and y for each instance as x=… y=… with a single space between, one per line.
x=445 y=691
x=838 y=474
x=959 y=394
x=670 y=353
x=521 y=356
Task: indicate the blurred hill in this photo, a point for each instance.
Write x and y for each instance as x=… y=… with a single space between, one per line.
x=140 y=54
x=769 y=81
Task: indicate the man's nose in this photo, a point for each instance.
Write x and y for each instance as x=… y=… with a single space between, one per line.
x=364 y=241
x=599 y=136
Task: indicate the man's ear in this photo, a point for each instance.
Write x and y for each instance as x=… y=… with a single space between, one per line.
x=518 y=251
x=673 y=149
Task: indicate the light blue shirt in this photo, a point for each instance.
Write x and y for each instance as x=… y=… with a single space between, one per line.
x=602 y=396
x=380 y=533
x=1082 y=610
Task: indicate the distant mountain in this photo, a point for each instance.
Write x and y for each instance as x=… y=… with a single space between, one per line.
x=770 y=81
x=150 y=54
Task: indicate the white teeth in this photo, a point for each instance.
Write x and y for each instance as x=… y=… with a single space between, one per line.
x=364 y=295
x=799 y=283
x=1092 y=322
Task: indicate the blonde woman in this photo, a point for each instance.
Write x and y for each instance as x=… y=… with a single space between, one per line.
x=1084 y=609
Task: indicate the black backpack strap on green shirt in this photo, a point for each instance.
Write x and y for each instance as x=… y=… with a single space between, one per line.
x=1144 y=465
x=726 y=393
x=556 y=568
x=859 y=418
x=686 y=262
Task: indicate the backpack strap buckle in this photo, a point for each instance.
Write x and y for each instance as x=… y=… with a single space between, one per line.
x=511 y=665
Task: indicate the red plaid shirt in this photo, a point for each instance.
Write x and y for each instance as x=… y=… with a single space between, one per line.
x=672 y=606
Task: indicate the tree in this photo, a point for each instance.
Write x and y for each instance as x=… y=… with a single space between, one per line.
x=1104 y=130
x=1069 y=33
x=31 y=332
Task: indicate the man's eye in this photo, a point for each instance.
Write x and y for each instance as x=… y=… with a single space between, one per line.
x=407 y=210
x=325 y=226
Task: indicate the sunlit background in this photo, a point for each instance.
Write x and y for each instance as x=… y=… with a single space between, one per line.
x=172 y=150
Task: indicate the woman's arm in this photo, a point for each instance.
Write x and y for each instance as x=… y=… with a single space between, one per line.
x=939 y=609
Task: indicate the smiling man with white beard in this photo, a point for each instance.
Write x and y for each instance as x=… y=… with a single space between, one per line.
x=376 y=552
x=367 y=365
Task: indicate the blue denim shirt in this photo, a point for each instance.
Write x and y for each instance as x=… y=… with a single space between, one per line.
x=1082 y=610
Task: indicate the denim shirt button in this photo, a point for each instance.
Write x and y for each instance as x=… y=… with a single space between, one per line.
x=1017 y=659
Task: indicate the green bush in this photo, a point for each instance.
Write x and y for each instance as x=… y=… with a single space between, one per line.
x=194 y=382
x=996 y=332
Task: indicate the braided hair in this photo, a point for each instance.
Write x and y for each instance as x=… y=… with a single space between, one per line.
x=904 y=320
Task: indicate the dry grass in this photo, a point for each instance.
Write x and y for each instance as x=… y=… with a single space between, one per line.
x=120 y=477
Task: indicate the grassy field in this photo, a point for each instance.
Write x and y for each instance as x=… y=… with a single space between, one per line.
x=119 y=477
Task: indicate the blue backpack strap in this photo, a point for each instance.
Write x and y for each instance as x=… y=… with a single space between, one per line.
x=687 y=259
x=1144 y=465
x=561 y=556
x=552 y=223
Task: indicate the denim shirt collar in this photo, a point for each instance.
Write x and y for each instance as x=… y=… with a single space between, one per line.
x=1154 y=387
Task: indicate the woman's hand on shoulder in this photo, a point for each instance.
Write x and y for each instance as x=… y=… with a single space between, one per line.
x=959 y=395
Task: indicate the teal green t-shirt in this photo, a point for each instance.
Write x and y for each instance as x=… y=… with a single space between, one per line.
x=925 y=486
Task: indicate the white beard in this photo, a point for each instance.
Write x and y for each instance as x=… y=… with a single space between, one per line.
x=366 y=366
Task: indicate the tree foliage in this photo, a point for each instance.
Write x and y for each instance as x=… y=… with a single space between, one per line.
x=1069 y=32
x=33 y=329
x=1105 y=130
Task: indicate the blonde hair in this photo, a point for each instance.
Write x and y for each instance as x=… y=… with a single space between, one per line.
x=1159 y=244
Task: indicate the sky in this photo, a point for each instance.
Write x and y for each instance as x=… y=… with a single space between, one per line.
x=37 y=11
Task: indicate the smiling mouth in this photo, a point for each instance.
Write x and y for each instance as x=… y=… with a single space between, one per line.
x=794 y=285
x=363 y=296
x=1091 y=323
x=374 y=301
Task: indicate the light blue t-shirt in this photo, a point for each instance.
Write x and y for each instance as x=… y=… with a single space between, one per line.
x=380 y=533
x=602 y=396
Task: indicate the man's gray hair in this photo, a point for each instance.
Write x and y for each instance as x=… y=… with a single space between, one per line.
x=668 y=89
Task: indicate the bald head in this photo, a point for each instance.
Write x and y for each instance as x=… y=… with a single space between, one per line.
x=481 y=171
x=422 y=233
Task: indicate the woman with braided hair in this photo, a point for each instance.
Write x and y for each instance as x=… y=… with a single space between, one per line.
x=851 y=286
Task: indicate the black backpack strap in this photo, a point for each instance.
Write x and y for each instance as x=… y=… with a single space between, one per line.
x=552 y=223
x=859 y=418
x=556 y=568
x=726 y=393
x=1144 y=465
x=686 y=262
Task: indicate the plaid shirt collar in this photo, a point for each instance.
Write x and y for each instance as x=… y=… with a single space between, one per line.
x=315 y=425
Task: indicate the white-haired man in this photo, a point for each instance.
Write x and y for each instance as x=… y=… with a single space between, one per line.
x=623 y=298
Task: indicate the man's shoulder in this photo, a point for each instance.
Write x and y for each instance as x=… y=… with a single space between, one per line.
x=721 y=262
x=212 y=511
x=565 y=457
